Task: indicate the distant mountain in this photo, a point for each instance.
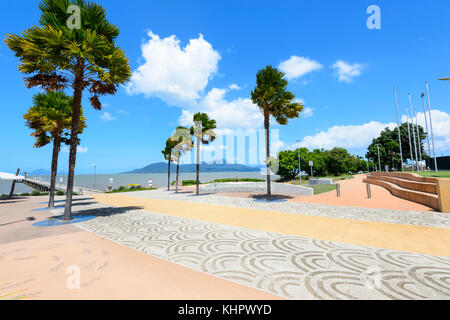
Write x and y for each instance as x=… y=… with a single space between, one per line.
x=161 y=167
x=39 y=172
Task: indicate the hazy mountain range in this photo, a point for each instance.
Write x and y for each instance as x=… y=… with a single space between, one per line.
x=161 y=167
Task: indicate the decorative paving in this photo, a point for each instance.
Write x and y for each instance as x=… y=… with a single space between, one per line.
x=289 y=266
x=428 y=219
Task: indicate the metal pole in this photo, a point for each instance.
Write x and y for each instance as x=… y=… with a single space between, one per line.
x=426 y=123
x=414 y=133
x=13 y=185
x=398 y=128
x=95 y=175
x=299 y=164
x=409 y=137
x=379 y=162
x=431 y=127
x=419 y=140
x=369 y=193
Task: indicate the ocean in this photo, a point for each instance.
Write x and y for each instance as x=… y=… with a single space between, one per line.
x=101 y=181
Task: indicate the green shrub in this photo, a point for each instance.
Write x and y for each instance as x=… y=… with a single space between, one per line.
x=60 y=193
x=25 y=194
x=189 y=182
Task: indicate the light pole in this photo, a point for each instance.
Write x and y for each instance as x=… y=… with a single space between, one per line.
x=431 y=127
x=414 y=132
x=299 y=163
x=409 y=137
x=379 y=162
x=95 y=175
x=419 y=140
x=398 y=129
x=426 y=122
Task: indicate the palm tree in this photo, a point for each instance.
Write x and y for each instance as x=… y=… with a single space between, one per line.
x=168 y=155
x=272 y=98
x=183 y=143
x=56 y=56
x=203 y=132
x=50 y=117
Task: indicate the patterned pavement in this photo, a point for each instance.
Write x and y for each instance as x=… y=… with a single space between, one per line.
x=289 y=266
x=428 y=219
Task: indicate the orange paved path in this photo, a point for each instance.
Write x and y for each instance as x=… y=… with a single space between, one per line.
x=36 y=266
x=354 y=194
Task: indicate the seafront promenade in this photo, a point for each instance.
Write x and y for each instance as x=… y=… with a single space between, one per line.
x=179 y=246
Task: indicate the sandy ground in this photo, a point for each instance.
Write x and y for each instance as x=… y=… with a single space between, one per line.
x=36 y=262
x=354 y=194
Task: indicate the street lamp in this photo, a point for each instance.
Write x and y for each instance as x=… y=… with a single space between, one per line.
x=95 y=175
x=299 y=163
x=379 y=162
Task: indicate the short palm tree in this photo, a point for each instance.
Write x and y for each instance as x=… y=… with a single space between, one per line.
x=203 y=130
x=168 y=155
x=51 y=117
x=183 y=143
x=56 y=56
x=272 y=98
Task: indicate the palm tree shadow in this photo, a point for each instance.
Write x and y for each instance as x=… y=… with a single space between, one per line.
x=101 y=212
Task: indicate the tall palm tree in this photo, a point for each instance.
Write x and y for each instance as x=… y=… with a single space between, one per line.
x=56 y=56
x=51 y=117
x=168 y=155
x=272 y=98
x=203 y=130
x=183 y=143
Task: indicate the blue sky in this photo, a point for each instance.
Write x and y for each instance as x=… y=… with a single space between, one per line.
x=191 y=56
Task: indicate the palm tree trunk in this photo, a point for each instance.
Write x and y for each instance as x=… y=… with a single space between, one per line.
x=168 y=175
x=178 y=170
x=266 y=127
x=56 y=146
x=197 y=190
x=76 y=111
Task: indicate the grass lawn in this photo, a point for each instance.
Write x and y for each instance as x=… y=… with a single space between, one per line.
x=318 y=188
x=439 y=174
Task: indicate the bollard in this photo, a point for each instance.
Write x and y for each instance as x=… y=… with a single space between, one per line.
x=338 y=189
x=369 y=193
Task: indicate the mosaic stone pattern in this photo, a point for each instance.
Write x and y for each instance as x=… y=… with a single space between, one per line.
x=288 y=266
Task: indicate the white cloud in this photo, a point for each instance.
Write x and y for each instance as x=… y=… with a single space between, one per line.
x=172 y=73
x=80 y=149
x=351 y=136
x=441 y=129
x=307 y=112
x=360 y=136
x=106 y=116
x=295 y=66
x=347 y=71
x=234 y=87
x=237 y=113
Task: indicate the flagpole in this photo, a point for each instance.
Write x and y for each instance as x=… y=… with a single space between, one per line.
x=431 y=127
x=426 y=123
x=409 y=138
x=414 y=132
x=419 y=144
x=398 y=128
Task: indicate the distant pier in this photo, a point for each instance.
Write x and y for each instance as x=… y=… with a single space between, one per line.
x=38 y=183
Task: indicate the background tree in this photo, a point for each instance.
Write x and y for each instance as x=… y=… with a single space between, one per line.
x=51 y=117
x=57 y=55
x=168 y=155
x=183 y=143
x=272 y=98
x=203 y=131
x=390 y=149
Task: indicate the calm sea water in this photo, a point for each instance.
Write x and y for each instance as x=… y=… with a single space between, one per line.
x=100 y=181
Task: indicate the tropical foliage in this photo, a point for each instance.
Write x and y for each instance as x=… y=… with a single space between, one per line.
x=203 y=131
x=272 y=98
x=57 y=56
x=390 y=148
x=51 y=118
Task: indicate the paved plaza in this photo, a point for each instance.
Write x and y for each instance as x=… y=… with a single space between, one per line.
x=247 y=248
